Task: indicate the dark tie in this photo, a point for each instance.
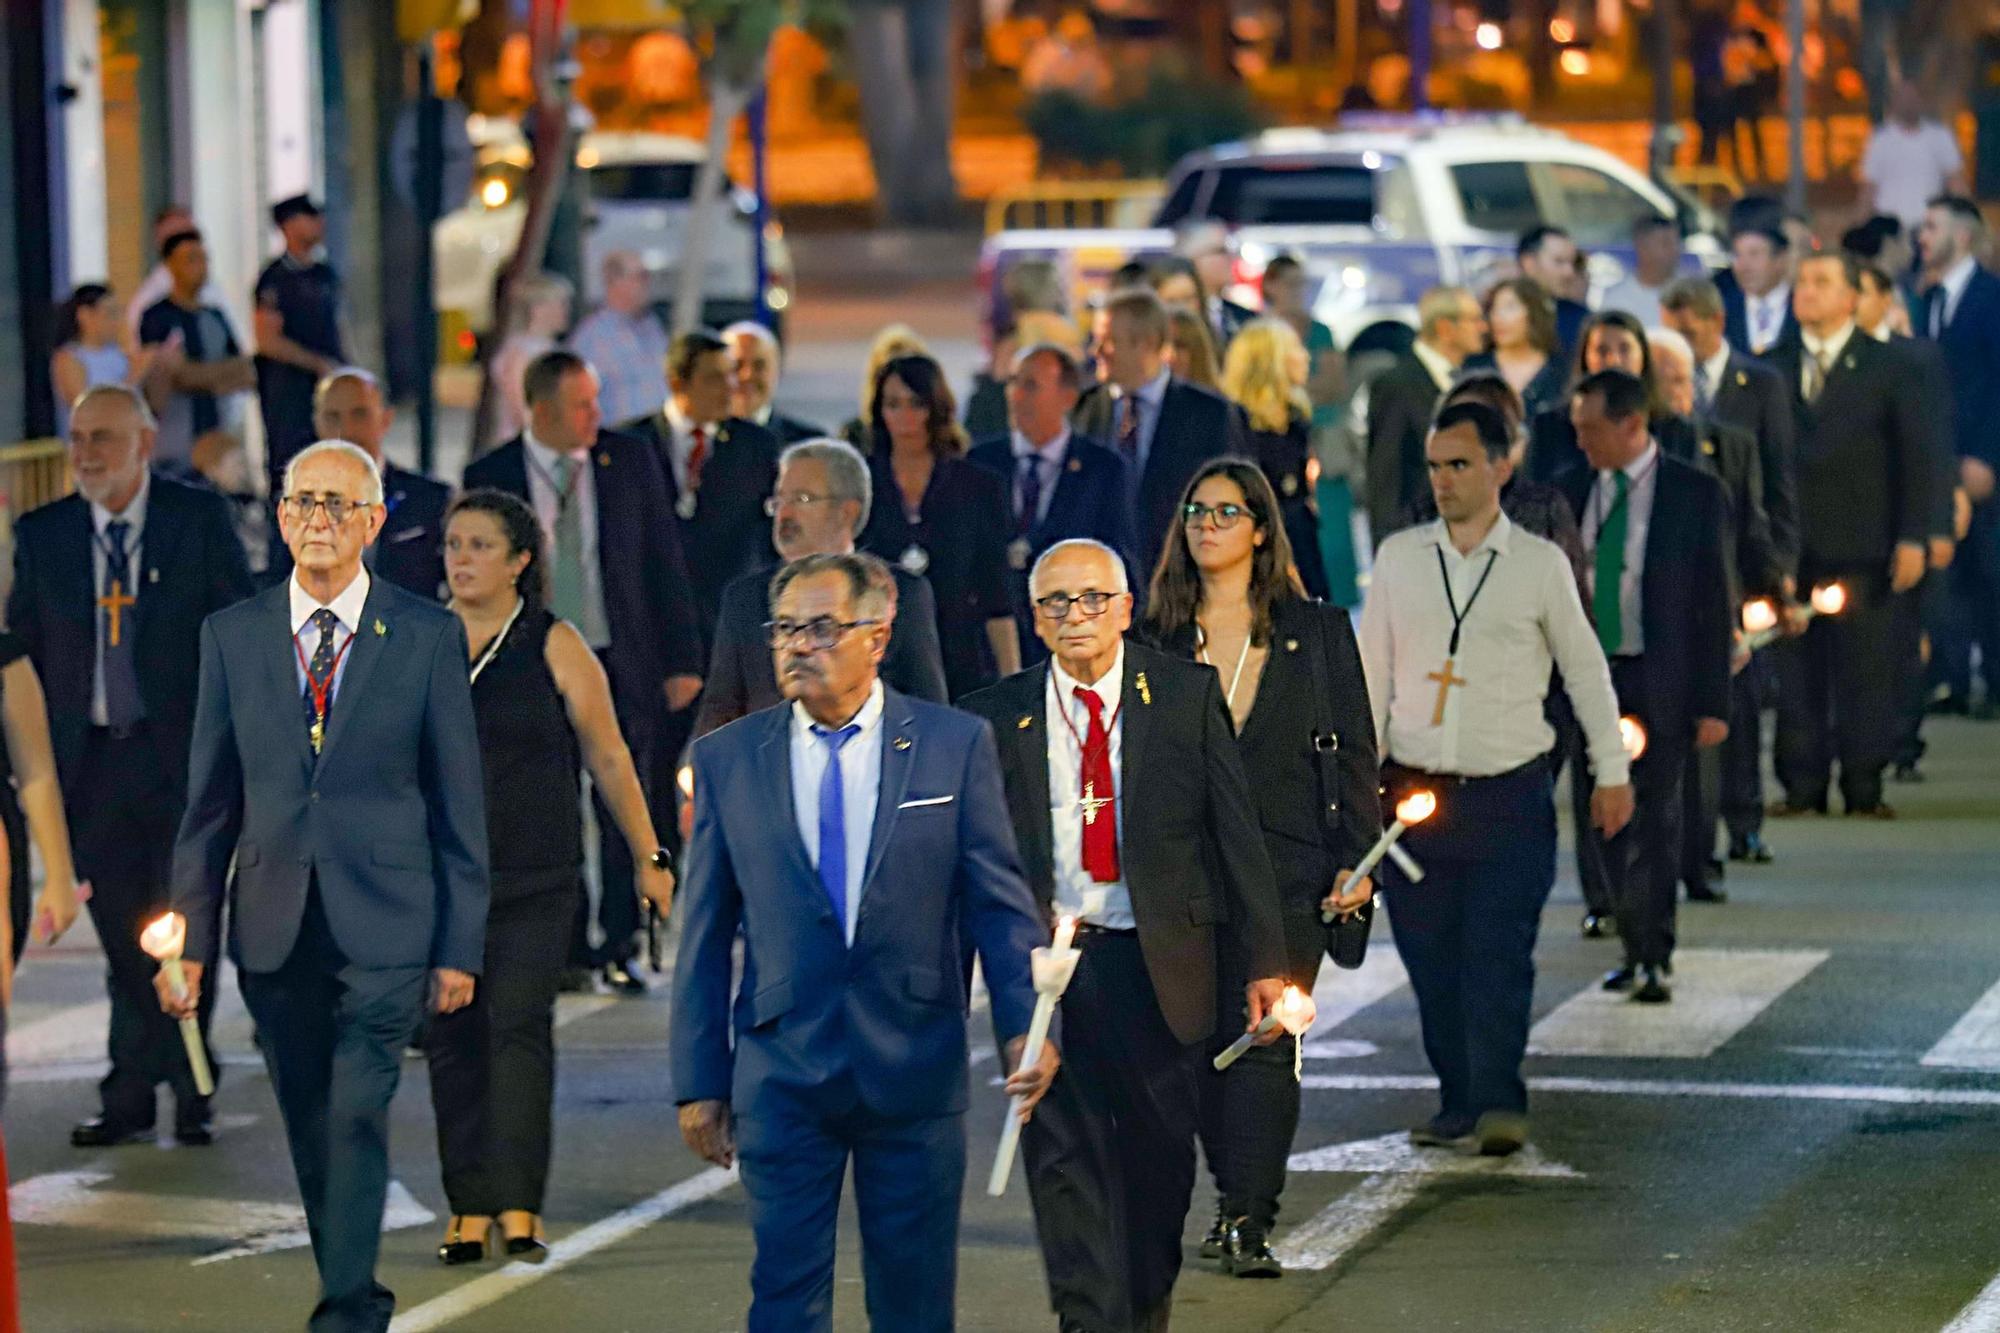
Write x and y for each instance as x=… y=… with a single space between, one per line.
x=1816 y=372
x=1031 y=495
x=833 y=823
x=1128 y=431
x=1100 y=812
x=123 y=707
x=697 y=455
x=320 y=669
x=1605 y=601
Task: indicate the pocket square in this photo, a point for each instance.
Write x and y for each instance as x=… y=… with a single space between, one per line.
x=406 y=535
x=928 y=800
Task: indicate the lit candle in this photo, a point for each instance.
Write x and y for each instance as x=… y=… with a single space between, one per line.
x=1761 y=622
x=1052 y=968
x=1294 y=1012
x=1829 y=599
x=164 y=939
x=1632 y=733
x=1412 y=809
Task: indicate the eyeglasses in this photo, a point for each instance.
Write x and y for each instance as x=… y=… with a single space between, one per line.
x=772 y=503
x=1057 y=604
x=820 y=633
x=338 y=507
x=1226 y=516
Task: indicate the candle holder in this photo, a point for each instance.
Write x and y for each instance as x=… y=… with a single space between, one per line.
x=163 y=939
x=1294 y=1012
x=1052 y=968
x=1762 y=625
x=1412 y=809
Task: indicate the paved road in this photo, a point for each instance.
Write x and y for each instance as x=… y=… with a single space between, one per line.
x=1803 y=1141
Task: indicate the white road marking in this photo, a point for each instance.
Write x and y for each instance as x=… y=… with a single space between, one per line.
x=484 y=1291
x=569 y=1008
x=1717 y=993
x=1981 y=1315
x=66 y=1036
x=400 y=1210
x=1974 y=1041
x=1888 y=1095
x=1340 y=994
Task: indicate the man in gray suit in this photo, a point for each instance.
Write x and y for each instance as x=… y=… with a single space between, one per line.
x=335 y=759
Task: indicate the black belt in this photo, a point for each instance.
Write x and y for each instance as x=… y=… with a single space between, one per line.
x=1086 y=930
x=121 y=733
x=1418 y=777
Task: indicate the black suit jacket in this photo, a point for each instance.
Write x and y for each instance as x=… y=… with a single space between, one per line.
x=191 y=565
x=1971 y=346
x=740 y=676
x=1092 y=498
x=728 y=533
x=1730 y=456
x=1684 y=602
x=1190 y=846
x=791 y=430
x=1195 y=425
x=1401 y=403
x=1736 y=321
x=1867 y=460
x=648 y=599
x=1752 y=397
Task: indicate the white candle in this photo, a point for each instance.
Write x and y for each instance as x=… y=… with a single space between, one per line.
x=1412 y=809
x=1053 y=968
x=164 y=939
x=1761 y=622
x=1294 y=1012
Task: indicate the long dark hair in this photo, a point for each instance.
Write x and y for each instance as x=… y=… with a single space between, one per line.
x=69 y=327
x=925 y=378
x=1175 y=596
x=1628 y=323
x=1534 y=298
x=524 y=533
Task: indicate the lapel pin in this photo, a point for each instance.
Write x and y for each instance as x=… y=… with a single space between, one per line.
x=1708 y=446
x=1850 y=363
x=380 y=629
x=1741 y=379
x=604 y=459
x=901 y=743
x=1024 y=724
x=1145 y=693
x=1291 y=645
x=152 y=576
x=1076 y=465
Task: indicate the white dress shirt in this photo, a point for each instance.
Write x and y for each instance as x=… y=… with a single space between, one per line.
x=1826 y=351
x=1765 y=316
x=583 y=493
x=1643 y=476
x=682 y=447
x=1077 y=894
x=1955 y=280
x=100 y=518
x=860 y=790
x=1527 y=619
x=346 y=607
x=1150 y=398
x=1048 y=468
x=1715 y=367
x=1443 y=372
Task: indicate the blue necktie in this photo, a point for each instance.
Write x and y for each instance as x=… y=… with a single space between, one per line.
x=123 y=707
x=833 y=824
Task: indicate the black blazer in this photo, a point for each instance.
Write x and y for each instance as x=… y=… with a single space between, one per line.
x=791 y=430
x=1283 y=457
x=1867 y=460
x=1752 y=397
x=1730 y=456
x=1546 y=390
x=191 y=565
x=1093 y=498
x=1195 y=425
x=1971 y=346
x=1401 y=402
x=1736 y=320
x=1684 y=601
x=741 y=679
x=648 y=599
x=728 y=533
x=1190 y=847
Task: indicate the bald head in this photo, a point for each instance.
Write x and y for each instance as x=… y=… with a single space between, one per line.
x=348 y=405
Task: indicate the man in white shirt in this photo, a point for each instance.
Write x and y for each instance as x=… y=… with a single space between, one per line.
x=1910 y=159
x=1464 y=619
x=1656 y=244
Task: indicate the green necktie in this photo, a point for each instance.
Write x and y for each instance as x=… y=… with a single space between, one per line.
x=1610 y=559
x=566 y=589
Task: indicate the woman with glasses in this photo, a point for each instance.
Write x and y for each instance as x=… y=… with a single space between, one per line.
x=942 y=518
x=543 y=707
x=1227 y=593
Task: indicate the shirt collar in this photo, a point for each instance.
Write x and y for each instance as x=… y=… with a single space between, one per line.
x=1110 y=686
x=1637 y=469
x=1051 y=452
x=1495 y=540
x=870 y=714
x=346 y=607
x=546 y=455
x=1830 y=347
x=1717 y=366
x=1434 y=361
x=1882 y=333
x=1958 y=277
x=682 y=423
x=1780 y=293
x=135 y=512
x=1154 y=390
x=762 y=416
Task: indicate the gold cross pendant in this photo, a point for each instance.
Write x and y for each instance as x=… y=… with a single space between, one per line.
x=318 y=733
x=1091 y=803
x=114 y=603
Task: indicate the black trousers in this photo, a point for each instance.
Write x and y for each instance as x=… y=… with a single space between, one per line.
x=1840 y=696
x=1970 y=614
x=1743 y=752
x=1701 y=812
x=1933 y=597
x=1591 y=876
x=1642 y=864
x=123 y=816
x=1110 y=1151
x=332 y=1035
x=493 y=1063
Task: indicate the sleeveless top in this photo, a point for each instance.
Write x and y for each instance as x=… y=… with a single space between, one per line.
x=101 y=365
x=530 y=754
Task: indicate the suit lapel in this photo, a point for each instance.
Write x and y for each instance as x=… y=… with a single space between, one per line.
x=157 y=544
x=370 y=642
x=1136 y=710
x=510 y=468
x=899 y=750
x=774 y=757
x=74 y=564
x=1029 y=737
x=281 y=669
x=1065 y=499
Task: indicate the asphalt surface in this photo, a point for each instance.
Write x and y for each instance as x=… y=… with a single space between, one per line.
x=1771 y=1151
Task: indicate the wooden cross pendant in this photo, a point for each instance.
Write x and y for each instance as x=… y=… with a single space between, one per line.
x=1445 y=679
x=1091 y=803
x=115 y=603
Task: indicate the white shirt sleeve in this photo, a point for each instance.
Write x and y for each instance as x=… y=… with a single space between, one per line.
x=1950 y=161
x=1378 y=657
x=1586 y=675
x=1871 y=158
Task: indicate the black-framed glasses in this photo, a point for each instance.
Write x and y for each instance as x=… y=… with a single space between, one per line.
x=798 y=498
x=1057 y=604
x=1226 y=516
x=819 y=633
x=338 y=507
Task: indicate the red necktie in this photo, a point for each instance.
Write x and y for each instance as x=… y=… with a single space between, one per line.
x=697 y=456
x=1100 y=814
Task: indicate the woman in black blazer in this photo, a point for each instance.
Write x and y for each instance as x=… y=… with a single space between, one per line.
x=941 y=518
x=1227 y=593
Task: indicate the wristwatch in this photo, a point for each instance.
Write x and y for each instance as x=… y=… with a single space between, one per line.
x=662 y=859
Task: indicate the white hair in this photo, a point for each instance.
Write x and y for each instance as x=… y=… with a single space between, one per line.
x=1670 y=340
x=750 y=328
x=371 y=493
x=125 y=394
x=846 y=472
x=1082 y=544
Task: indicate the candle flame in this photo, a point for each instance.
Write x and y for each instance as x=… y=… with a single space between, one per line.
x=165 y=936
x=1759 y=616
x=1295 y=1011
x=686 y=780
x=1829 y=599
x=1632 y=733
x=1416 y=807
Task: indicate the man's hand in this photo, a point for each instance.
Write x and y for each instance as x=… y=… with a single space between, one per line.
x=1739 y=655
x=1340 y=904
x=708 y=1130
x=55 y=909
x=1611 y=809
x=185 y=1006
x=655 y=886
x=1942 y=549
x=1031 y=1085
x=1906 y=567
x=1263 y=997
x=681 y=691
x=1977 y=477
x=1710 y=732
x=1961 y=513
x=451 y=990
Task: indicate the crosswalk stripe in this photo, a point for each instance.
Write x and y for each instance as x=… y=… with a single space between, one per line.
x=68 y=1034
x=1340 y=994
x=1974 y=1041
x=1981 y=1315
x=1717 y=993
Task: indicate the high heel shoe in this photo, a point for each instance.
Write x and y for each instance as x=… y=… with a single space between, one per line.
x=459 y=1251
x=531 y=1248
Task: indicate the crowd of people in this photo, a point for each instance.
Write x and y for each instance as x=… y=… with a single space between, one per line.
x=1134 y=561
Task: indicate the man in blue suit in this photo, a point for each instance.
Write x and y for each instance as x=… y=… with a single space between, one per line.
x=359 y=843
x=853 y=838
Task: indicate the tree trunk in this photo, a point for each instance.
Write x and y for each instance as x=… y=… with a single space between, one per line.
x=726 y=101
x=1202 y=29
x=902 y=55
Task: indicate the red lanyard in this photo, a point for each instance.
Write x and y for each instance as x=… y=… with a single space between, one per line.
x=1082 y=750
x=322 y=690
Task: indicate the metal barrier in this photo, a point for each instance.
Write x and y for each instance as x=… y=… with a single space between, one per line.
x=1062 y=204
x=32 y=473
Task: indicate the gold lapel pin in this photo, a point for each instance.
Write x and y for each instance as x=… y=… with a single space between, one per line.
x=1076 y=465
x=1145 y=694
x=1024 y=724
x=1708 y=446
x=152 y=576
x=901 y=743
x=380 y=629
x=1291 y=645
x=1741 y=379
x=604 y=459
x=1850 y=363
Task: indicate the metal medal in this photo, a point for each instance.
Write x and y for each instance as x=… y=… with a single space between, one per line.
x=915 y=560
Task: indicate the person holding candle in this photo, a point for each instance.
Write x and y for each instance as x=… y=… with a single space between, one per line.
x=857 y=843
x=111 y=586
x=334 y=763
x=1227 y=594
x=1131 y=805
x=1464 y=620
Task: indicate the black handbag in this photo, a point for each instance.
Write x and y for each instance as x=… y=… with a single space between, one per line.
x=1346 y=936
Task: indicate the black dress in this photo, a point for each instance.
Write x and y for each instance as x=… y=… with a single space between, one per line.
x=1282 y=455
x=12 y=650
x=493 y=1062
x=959 y=542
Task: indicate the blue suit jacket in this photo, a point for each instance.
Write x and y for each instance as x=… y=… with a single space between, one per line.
x=889 y=1010
x=391 y=817
x=1971 y=346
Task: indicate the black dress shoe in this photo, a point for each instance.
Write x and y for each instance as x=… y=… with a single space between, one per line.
x=1652 y=989
x=1706 y=894
x=194 y=1132
x=1907 y=771
x=1249 y=1252
x=1596 y=927
x=1750 y=847
x=1717 y=868
x=620 y=978
x=528 y=1249
x=1216 y=1243
x=1879 y=810
x=101 y=1132
x=1620 y=979
x=1951 y=705
x=1443 y=1132
x=1791 y=810
x=457 y=1251
x=1502 y=1133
